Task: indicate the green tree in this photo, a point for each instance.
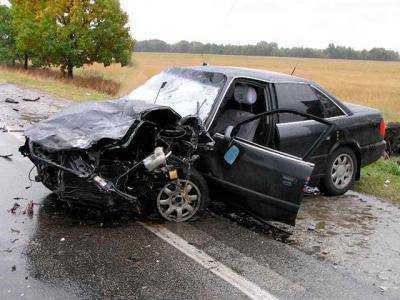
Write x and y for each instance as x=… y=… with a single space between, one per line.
x=25 y=22
x=83 y=32
x=7 y=40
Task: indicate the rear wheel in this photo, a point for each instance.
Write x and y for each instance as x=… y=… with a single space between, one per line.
x=183 y=199
x=341 y=172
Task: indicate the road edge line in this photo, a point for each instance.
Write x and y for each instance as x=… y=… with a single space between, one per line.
x=247 y=287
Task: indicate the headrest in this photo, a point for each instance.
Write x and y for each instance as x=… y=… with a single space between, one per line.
x=245 y=94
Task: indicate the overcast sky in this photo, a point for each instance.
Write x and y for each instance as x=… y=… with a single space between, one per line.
x=315 y=23
x=357 y=23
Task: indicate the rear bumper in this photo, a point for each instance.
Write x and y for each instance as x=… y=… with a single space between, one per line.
x=372 y=152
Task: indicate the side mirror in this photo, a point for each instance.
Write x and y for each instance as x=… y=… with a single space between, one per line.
x=228 y=132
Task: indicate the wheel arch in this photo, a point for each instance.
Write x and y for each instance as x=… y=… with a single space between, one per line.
x=355 y=147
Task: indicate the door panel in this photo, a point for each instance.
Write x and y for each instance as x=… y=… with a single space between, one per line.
x=271 y=183
x=295 y=138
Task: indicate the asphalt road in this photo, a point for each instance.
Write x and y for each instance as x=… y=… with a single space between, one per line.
x=56 y=254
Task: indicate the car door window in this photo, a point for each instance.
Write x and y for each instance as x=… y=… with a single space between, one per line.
x=300 y=97
x=330 y=109
x=306 y=99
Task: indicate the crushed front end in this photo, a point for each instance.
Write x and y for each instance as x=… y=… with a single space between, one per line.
x=120 y=167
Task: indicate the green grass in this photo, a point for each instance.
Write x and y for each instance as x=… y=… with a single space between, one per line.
x=381 y=179
x=53 y=86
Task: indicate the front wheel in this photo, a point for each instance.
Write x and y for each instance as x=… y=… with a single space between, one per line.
x=341 y=172
x=183 y=199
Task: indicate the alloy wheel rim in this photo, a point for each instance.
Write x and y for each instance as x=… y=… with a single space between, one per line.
x=179 y=200
x=342 y=171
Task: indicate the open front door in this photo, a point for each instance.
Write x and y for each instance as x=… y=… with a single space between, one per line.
x=270 y=183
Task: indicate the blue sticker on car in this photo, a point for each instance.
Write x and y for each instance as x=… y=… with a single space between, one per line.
x=231 y=155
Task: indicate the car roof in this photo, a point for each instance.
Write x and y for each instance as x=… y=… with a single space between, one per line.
x=269 y=76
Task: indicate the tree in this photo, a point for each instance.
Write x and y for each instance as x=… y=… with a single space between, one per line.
x=7 y=40
x=25 y=14
x=267 y=49
x=83 y=32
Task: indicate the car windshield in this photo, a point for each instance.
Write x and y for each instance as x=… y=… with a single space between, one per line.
x=187 y=91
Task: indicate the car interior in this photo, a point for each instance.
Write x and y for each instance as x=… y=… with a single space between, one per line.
x=242 y=101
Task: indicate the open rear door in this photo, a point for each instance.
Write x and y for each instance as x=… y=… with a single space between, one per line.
x=271 y=183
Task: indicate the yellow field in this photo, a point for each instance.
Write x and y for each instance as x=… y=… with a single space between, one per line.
x=372 y=83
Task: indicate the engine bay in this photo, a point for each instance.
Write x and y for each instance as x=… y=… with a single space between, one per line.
x=128 y=173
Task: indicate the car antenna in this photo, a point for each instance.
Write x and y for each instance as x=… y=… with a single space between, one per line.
x=294 y=69
x=159 y=90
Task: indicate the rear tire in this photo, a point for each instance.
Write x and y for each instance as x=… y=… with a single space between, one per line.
x=341 y=172
x=183 y=200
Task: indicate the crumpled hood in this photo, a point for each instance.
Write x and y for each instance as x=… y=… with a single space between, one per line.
x=82 y=125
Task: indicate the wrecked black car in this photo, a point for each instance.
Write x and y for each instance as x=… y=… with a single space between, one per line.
x=184 y=134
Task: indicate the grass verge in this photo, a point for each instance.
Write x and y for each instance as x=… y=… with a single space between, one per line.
x=381 y=179
x=49 y=81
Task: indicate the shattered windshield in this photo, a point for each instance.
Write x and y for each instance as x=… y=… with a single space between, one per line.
x=187 y=91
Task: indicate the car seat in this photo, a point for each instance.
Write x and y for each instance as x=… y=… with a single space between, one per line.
x=245 y=96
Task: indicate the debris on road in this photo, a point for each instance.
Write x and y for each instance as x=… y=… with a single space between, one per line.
x=311 y=190
x=62 y=240
x=383 y=288
x=13 y=268
x=14 y=208
x=15 y=109
x=6 y=156
x=31 y=99
x=14 y=230
x=311 y=227
x=10 y=100
x=29 y=208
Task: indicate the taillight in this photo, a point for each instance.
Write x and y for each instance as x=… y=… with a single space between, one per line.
x=382 y=128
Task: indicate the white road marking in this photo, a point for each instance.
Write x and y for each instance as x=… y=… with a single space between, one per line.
x=247 y=287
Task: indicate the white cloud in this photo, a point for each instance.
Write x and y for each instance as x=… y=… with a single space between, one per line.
x=356 y=23
x=315 y=23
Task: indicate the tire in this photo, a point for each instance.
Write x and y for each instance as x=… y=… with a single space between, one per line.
x=183 y=200
x=343 y=163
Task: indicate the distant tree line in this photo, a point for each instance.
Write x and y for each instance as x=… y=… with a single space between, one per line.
x=65 y=34
x=266 y=49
